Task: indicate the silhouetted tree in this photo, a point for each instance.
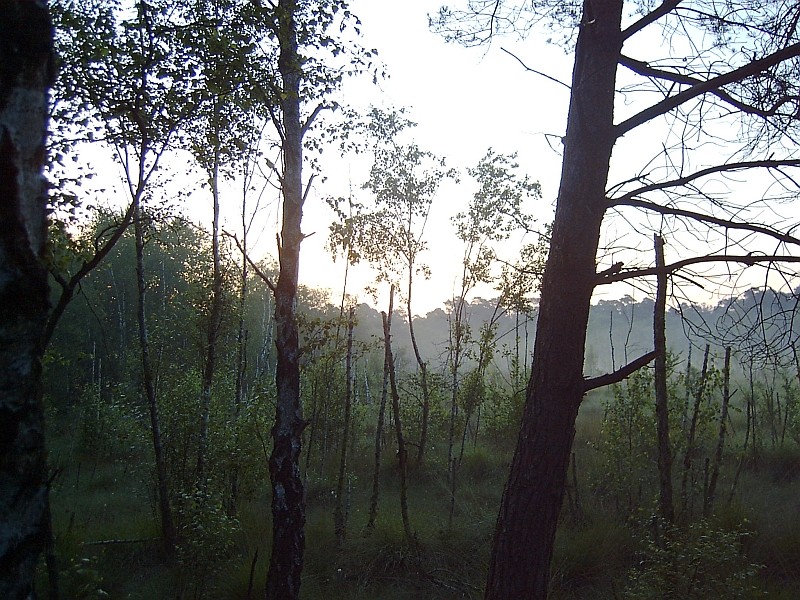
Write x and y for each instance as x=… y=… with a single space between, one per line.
x=26 y=73
x=732 y=80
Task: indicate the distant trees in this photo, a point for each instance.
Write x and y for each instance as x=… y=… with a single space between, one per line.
x=25 y=77
x=733 y=83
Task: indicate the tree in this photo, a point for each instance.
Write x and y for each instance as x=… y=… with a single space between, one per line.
x=219 y=137
x=404 y=179
x=26 y=41
x=301 y=32
x=130 y=79
x=493 y=214
x=734 y=72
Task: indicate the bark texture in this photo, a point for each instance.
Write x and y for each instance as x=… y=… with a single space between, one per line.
x=25 y=75
x=534 y=491
x=288 y=498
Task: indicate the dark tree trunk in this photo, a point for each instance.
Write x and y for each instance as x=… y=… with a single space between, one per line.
x=665 y=503
x=340 y=512
x=423 y=376
x=402 y=451
x=376 y=484
x=26 y=38
x=215 y=318
x=167 y=523
x=239 y=392
x=688 y=458
x=710 y=496
x=523 y=541
x=288 y=498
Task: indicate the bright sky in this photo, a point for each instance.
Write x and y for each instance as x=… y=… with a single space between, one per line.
x=464 y=101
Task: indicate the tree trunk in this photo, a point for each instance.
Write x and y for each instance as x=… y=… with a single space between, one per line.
x=456 y=335
x=215 y=318
x=423 y=375
x=167 y=523
x=25 y=76
x=239 y=391
x=373 y=503
x=340 y=516
x=523 y=541
x=723 y=419
x=288 y=497
x=402 y=452
x=665 y=504
x=688 y=458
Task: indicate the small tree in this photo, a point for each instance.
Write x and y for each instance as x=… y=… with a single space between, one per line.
x=403 y=179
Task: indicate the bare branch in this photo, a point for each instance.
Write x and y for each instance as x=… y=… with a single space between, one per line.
x=705 y=218
x=745 y=259
x=644 y=69
x=618 y=375
x=319 y=108
x=666 y=7
x=263 y=276
x=709 y=86
x=527 y=68
x=724 y=168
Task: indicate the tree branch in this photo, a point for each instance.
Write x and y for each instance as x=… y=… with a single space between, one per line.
x=651 y=17
x=68 y=287
x=709 y=86
x=618 y=375
x=319 y=108
x=726 y=223
x=745 y=259
x=527 y=68
x=644 y=69
x=263 y=276
x=724 y=168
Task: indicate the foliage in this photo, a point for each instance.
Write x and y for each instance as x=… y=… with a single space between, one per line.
x=83 y=580
x=628 y=446
x=700 y=561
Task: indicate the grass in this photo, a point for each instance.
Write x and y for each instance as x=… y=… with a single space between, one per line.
x=98 y=499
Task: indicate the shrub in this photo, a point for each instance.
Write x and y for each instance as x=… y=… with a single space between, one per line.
x=698 y=561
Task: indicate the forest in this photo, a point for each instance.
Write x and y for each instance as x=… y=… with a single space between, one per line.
x=185 y=414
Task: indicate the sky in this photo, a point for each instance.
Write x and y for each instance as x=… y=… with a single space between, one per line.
x=464 y=101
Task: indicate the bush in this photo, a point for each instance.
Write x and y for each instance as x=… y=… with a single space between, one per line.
x=699 y=561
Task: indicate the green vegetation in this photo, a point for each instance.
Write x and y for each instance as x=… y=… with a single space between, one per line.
x=609 y=542
x=217 y=431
